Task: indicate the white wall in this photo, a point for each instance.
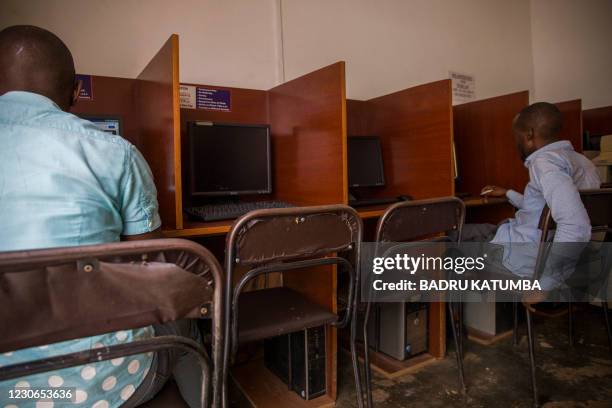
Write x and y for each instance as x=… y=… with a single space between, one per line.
x=221 y=42
x=572 y=50
x=392 y=44
x=558 y=48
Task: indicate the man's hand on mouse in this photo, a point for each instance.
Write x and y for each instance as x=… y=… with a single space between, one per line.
x=493 y=191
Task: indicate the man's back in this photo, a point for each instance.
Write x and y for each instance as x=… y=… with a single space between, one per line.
x=65 y=183
x=556 y=173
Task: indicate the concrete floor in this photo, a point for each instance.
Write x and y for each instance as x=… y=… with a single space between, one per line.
x=498 y=375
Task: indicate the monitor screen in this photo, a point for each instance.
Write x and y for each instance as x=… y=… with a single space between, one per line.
x=106 y=124
x=229 y=159
x=365 y=163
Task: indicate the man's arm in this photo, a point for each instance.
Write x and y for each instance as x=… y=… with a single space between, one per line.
x=515 y=198
x=139 y=207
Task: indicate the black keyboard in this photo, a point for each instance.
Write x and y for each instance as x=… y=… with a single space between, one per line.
x=229 y=210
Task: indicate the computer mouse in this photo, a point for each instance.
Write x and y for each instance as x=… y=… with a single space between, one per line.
x=404 y=198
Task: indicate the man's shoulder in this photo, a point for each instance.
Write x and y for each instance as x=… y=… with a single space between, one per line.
x=21 y=118
x=82 y=127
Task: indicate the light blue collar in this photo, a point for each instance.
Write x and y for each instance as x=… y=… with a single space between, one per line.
x=560 y=145
x=29 y=98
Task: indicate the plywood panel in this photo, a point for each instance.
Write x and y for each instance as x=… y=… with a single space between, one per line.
x=415 y=126
x=115 y=97
x=598 y=121
x=308 y=122
x=572 y=122
x=157 y=99
x=358 y=118
x=486 y=149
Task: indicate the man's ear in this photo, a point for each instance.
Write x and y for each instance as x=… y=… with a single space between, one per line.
x=530 y=135
x=75 y=92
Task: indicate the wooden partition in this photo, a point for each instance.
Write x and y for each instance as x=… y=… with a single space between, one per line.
x=113 y=97
x=572 y=122
x=308 y=120
x=157 y=99
x=597 y=122
x=415 y=127
x=486 y=149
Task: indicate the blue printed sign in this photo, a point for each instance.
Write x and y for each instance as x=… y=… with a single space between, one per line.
x=86 y=86
x=213 y=99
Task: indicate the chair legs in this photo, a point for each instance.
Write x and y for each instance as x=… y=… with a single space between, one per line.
x=458 y=351
x=366 y=357
x=532 y=364
x=355 y=360
x=606 y=314
x=515 y=337
x=570 y=323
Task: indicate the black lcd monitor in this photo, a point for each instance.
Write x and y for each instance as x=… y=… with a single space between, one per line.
x=365 y=162
x=229 y=159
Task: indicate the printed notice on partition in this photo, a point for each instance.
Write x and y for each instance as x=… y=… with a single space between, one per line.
x=213 y=99
x=195 y=97
x=464 y=87
x=86 y=87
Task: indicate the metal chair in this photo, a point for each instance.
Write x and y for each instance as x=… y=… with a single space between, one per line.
x=423 y=220
x=598 y=204
x=282 y=240
x=106 y=288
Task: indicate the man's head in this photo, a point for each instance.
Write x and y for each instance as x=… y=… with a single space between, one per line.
x=536 y=126
x=35 y=60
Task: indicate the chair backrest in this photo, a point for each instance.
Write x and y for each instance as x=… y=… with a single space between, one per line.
x=58 y=294
x=422 y=219
x=282 y=235
x=598 y=205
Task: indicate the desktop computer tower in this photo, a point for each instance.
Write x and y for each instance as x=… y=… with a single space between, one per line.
x=400 y=329
x=298 y=359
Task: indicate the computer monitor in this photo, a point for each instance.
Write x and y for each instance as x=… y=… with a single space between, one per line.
x=365 y=162
x=229 y=159
x=108 y=124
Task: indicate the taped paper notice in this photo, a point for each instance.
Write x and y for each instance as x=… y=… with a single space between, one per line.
x=464 y=87
x=187 y=96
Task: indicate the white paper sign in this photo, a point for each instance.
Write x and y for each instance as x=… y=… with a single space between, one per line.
x=464 y=87
x=187 y=96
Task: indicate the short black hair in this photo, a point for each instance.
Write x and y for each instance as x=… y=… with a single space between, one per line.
x=544 y=118
x=35 y=60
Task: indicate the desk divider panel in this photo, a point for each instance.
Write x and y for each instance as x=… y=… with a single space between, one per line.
x=572 y=122
x=597 y=121
x=416 y=127
x=157 y=99
x=308 y=122
x=113 y=97
x=486 y=149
